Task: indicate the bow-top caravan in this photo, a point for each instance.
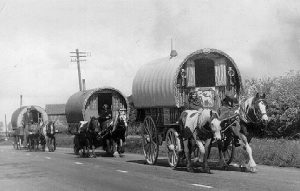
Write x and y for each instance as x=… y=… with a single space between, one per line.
x=37 y=116
x=161 y=91
x=83 y=105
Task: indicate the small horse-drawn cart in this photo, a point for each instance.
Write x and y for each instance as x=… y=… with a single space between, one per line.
x=161 y=90
x=37 y=116
x=84 y=105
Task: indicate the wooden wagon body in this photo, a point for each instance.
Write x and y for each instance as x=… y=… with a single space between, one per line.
x=83 y=105
x=161 y=89
x=38 y=115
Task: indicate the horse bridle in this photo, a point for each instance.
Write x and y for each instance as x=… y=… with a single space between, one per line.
x=257 y=110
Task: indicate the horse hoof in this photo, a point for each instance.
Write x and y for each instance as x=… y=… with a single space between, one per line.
x=223 y=166
x=226 y=167
x=252 y=169
x=207 y=170
x=115 y=154
x=190 y=169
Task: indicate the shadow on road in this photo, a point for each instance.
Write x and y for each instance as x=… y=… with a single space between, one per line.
x=181 y=167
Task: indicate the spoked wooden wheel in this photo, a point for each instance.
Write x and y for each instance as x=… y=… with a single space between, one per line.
x=173 y=145
x=229 y=152
x=76 y=145
x=150 y=140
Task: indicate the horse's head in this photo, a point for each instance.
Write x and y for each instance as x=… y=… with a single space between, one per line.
x=82 y=126
x=93 y=123
x=215 y=124
x=260 y=108
x=122 y=117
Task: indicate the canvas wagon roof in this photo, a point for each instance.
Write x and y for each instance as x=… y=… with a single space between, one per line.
x=77 y=103
x=17 y=116
x=155 y=83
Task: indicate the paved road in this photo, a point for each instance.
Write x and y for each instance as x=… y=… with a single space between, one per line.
x=61 y=170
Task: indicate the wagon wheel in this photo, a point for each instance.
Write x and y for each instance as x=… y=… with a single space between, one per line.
x=76 y=145
x=173 y=144
x=15 y=144
x=110 y=148
x=54 y=144
x=228 y=152
x=150 y=140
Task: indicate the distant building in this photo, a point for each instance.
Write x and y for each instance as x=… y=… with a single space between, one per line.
x=56 y=112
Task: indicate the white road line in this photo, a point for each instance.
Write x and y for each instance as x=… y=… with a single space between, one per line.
x=201 y=185
x=28 y=154
x=47 y=157
x=123 y=171
x=78 y=163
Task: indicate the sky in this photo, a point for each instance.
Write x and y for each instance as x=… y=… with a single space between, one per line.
x=36 y=38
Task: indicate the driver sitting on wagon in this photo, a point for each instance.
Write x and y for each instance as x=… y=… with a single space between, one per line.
x=104 y=117
x=194 y=103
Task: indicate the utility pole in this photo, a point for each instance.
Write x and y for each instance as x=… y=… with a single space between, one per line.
x=5 y=125
x=21 y=100
x=77 y=59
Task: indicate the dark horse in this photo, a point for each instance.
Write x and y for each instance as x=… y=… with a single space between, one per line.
x=111 y=136
x=36 y=137
x=253 y=120
x=82 y=139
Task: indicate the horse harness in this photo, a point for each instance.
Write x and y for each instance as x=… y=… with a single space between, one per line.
x=203 y=132
x=246 y=118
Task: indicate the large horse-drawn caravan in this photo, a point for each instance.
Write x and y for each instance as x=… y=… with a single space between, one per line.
x=37 y=116
x=83 y=105
x=161 y=91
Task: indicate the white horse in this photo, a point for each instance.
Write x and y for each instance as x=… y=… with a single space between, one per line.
x=118 y=133
x=49 y=133
x=202 y=126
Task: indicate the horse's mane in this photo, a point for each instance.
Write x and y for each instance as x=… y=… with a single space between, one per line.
x=205 y=116
x=90 y=122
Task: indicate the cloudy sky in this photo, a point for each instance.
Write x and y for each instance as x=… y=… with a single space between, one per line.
x=262 y=36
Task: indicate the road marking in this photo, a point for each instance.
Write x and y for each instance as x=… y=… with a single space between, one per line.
x=27 y=154
x=47 y=157
x=78 y=163
x=123 y=171
x=201 y=185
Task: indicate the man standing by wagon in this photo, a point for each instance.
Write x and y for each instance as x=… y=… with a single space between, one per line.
x=27 y=121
